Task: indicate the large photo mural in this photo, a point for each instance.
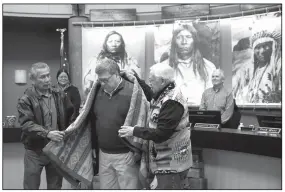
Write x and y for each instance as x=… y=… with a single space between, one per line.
x=193 y=50
x=125 y=45
x=256 y=46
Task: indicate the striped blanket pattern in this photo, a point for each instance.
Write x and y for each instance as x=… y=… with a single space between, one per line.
x=73 y=156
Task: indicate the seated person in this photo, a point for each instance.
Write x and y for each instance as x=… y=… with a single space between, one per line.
x=215 y=98
x=218 y=98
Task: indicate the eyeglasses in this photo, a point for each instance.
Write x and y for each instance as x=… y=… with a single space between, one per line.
x=104 y=80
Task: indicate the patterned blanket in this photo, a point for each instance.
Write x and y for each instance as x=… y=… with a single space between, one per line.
x=73 y=156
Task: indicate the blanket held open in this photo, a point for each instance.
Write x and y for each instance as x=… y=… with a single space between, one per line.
x=73 y=156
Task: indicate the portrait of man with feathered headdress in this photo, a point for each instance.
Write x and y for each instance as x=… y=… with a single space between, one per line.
x=259 y=79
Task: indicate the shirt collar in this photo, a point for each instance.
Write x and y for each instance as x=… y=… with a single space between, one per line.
x=218 y=89
x=167 y=87
x=119 y=87
x=40 y=94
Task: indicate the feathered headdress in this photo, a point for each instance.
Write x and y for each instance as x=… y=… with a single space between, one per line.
x=265 y=29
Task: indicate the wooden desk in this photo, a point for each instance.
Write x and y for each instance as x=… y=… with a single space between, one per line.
x=222 y=139
x=235 y=159
x=238 y=141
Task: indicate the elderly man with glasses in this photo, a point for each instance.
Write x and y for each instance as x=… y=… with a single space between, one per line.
x=117 y=168
x=170 y=152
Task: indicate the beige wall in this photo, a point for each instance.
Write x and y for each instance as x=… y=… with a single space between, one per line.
x=65 y=10
x=22 y=48
x=20 y=51
x=38 y=10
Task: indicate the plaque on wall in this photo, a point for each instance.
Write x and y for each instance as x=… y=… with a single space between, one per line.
x=207 y=126
x=269 y=130
x=179 y=11
x=101 y=15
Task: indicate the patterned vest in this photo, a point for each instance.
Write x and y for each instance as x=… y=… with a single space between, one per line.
x=174 y=154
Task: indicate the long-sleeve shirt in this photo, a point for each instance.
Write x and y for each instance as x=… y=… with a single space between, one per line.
x=49 y=111
x=146 y=88
x=219 y=99
x=168 y=119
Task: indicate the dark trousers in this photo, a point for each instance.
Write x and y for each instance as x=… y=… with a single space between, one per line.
x=172 y=180
x=33 y=166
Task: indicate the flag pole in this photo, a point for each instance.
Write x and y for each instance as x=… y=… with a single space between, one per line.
x=62 y=51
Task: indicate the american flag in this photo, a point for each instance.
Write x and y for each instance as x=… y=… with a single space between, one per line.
x=63 y=56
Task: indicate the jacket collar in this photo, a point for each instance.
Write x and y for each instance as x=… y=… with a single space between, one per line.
x=63 y=88
x=164 y=90
x=33 y=92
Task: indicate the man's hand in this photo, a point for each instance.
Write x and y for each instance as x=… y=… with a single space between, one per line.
x=56 y=135
x=126 y=131
x=128 y=74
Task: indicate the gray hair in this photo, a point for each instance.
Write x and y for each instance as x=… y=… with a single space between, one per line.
x=107 y=65
x=35 y=67
x=222 y=74
x=163 y=71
